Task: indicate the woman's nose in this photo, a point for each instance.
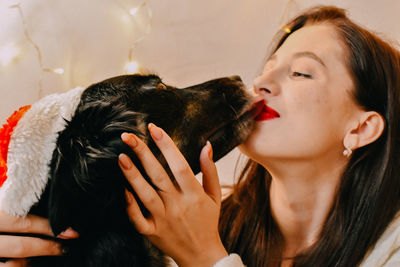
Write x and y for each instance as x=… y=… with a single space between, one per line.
x=266 y=84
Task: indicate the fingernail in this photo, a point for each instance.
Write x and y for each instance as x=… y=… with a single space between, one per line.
x=68 y=233
x=128 y=196
x=125 y=161
x=155 y=131
x=210 y=150
x=129 y=139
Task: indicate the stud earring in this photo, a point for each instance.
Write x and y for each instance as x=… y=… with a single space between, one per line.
x=347 y=152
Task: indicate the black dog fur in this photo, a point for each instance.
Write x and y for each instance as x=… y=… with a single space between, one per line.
x=86 y=188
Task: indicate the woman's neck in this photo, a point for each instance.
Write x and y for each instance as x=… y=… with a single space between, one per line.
x=301 y=196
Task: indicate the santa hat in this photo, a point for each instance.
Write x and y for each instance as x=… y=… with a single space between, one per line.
x=27 y=142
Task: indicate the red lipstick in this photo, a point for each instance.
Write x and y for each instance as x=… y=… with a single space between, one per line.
x=266 y=113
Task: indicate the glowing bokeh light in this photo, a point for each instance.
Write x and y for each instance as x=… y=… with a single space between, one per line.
x=132 y=67
x=8 y=53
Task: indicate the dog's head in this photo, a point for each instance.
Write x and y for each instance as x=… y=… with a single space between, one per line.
x=87 y=186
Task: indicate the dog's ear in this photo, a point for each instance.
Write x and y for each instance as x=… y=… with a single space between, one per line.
x=87 y=185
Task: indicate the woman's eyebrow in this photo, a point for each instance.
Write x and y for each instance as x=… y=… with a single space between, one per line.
x=309 y=55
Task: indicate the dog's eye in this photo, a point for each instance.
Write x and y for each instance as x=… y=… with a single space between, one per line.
x=161 y=86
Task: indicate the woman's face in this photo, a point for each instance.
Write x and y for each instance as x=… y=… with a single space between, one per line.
x=306 y=81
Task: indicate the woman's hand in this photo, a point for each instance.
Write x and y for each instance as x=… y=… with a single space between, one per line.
x=183 y=222
x=20 y=247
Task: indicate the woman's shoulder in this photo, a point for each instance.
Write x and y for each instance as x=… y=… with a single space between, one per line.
x=386 y=251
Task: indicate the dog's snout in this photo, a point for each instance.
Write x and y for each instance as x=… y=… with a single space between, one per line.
x=236 y=78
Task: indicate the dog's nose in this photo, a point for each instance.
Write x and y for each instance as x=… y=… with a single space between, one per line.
x=236 y=78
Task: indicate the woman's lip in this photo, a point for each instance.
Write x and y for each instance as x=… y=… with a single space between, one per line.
x=266 y=113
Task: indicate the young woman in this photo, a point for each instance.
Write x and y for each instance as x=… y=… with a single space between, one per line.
x=322 y=184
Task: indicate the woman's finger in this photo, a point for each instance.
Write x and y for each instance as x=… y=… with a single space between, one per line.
x=22 y=247
x=142 y=224
x=29 y=224
x=69 y=233
x=151 y=165
x=176 y=161
x=210 y=174
x=147 y=194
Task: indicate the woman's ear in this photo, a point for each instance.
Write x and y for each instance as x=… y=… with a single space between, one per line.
x=369 y=128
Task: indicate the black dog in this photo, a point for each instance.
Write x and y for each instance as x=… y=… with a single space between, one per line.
x=86 y=186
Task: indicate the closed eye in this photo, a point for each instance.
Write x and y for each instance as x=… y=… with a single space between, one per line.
x=299 y=74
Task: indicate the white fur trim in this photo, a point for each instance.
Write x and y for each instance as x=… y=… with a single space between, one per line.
x=31 y=148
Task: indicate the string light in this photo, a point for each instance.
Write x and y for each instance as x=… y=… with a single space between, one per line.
x=131 y=67
x=37 y=49
x=57 y=70
x=133 y=11
x=10 y=52
x=287 y=29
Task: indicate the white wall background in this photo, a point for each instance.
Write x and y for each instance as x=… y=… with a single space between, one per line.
x=189 y=41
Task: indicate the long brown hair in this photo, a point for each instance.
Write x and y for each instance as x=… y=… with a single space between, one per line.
x=368 y=197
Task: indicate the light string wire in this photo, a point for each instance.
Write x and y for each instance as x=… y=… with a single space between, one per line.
x=290 y=5
x=130 y=67
x=35 y=46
